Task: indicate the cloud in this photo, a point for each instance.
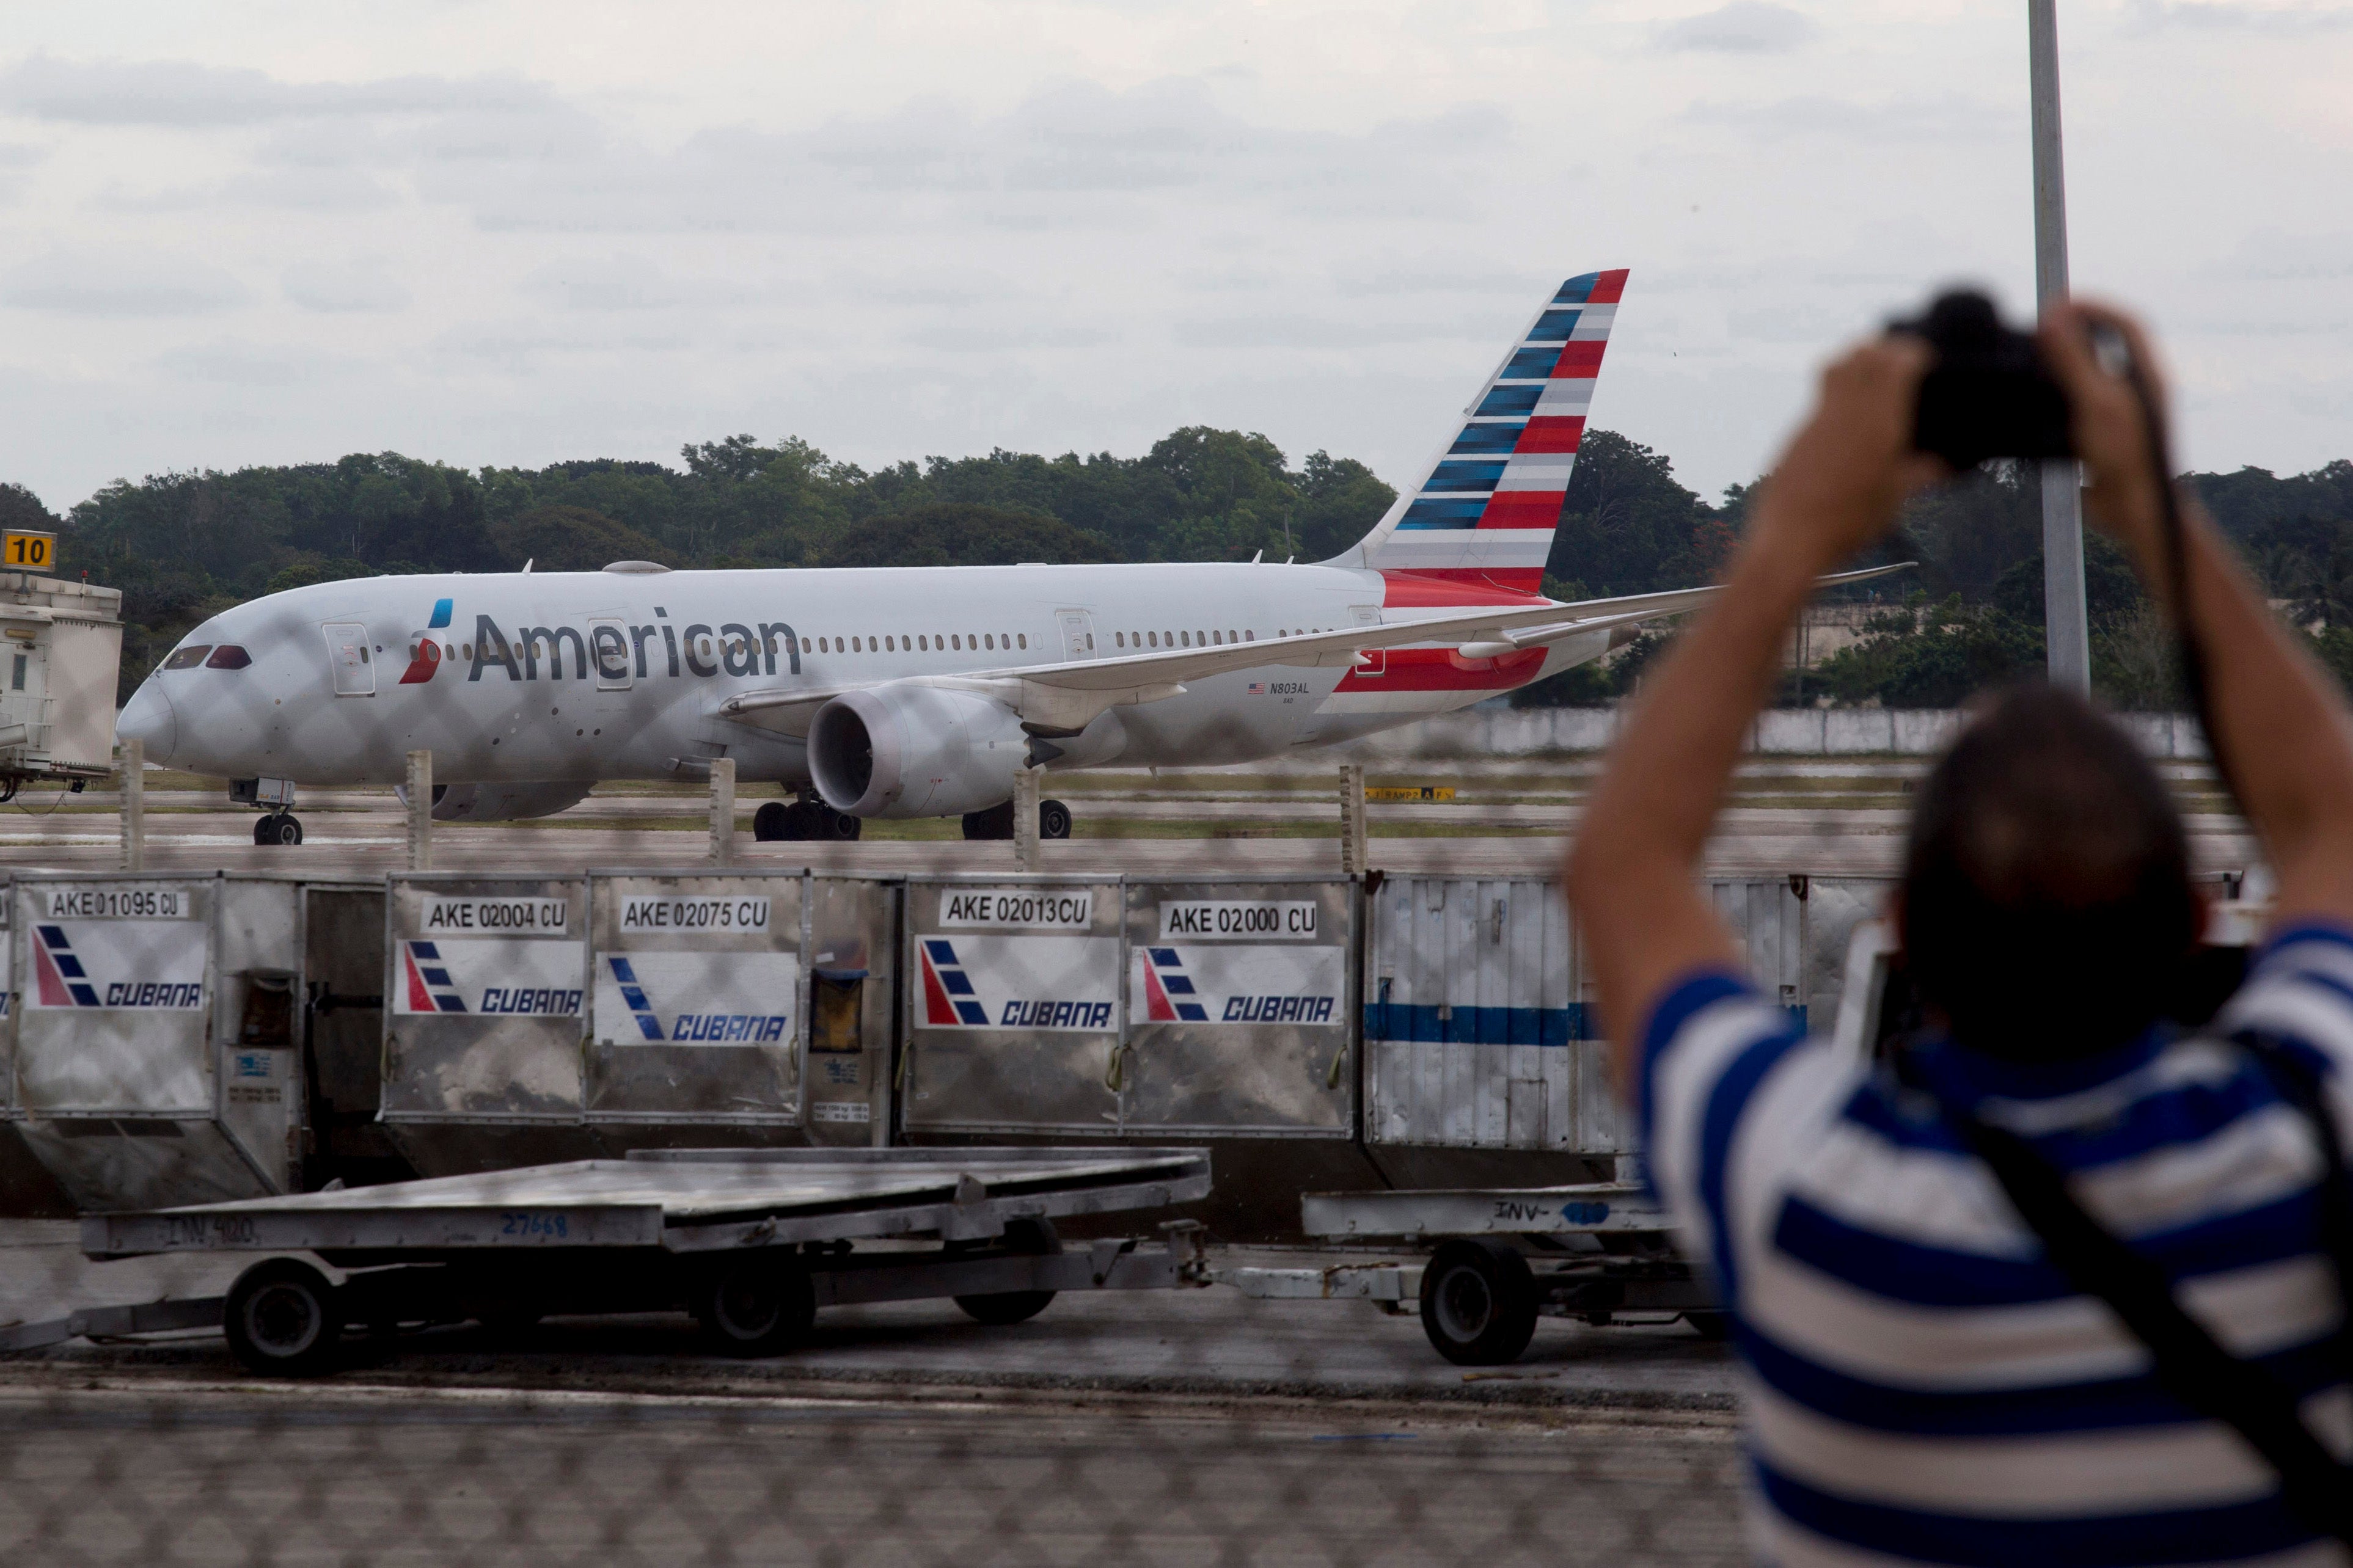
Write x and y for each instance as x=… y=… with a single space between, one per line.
x=627 y=283
x=96 y=284
x=2273 y=255
x=1743 y=27
x=180 y=93
x=1896 y=119
x=2226 y=16
x=343 y=287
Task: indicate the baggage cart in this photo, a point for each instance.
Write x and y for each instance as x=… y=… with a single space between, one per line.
x=1499 y=1259
x=751 y=1241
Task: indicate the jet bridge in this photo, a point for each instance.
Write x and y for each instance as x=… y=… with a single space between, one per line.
x=61 y=657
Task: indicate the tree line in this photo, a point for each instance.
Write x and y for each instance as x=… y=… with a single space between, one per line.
x=182 y=546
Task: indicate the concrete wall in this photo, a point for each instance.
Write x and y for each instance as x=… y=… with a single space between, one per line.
x=1797 y=732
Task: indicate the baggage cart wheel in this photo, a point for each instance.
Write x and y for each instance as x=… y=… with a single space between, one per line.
x=1710 y=1325
x=283 y=1319
x=1030 y=1238
x=756 y=1306
x=1478 y=1302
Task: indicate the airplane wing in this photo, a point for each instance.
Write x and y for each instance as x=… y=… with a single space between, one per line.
x=1065 y=696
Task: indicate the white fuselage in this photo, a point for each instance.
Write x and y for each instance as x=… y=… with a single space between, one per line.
x=588 y=676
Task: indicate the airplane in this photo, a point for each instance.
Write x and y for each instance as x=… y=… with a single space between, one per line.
x=917 y=691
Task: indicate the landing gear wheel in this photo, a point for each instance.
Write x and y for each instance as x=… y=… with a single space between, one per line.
x=1027 y=1238
x=278 y=827
x=1478 y=1303
x=1053 y=820
x=756 y=1306
x=283 y=1319
x=772 y=823
x=996 y=822
x=840 y=825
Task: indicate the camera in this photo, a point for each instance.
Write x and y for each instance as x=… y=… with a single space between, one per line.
x=1989 y=393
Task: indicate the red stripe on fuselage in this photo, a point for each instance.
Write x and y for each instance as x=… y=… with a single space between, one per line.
x=1436 y=669
x=1439 y=587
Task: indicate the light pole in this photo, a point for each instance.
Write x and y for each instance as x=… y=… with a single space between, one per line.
x=2066 y=624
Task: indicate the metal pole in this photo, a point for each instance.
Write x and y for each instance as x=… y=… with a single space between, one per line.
x=2067 y=638
x=1351 y=819
x=420 y=811
x=134 y=805
x=1026 y=782
x=723 y=811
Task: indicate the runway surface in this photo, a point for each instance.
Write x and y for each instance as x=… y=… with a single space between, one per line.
x=1506 y=820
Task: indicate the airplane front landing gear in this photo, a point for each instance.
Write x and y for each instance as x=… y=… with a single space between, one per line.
x=278 y=827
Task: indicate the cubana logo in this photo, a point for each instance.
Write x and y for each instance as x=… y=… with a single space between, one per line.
x=949 y=1000
x=1168 y=990
x=1237 y=984
x=432 y=989
x=63 y=981
x=1033 y=978
x=705 y=1028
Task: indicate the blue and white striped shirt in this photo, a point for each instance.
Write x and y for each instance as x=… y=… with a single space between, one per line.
x=1920 y=1384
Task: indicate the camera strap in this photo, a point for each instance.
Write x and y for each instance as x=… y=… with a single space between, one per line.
x=2187 y=1360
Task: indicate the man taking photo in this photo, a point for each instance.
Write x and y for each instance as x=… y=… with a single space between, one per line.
x=2060 y=1282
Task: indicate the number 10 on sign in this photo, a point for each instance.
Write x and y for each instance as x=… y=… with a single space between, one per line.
x=29 y=552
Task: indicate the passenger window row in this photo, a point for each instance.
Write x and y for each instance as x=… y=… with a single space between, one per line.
x=921 y=643
x=1180 y=639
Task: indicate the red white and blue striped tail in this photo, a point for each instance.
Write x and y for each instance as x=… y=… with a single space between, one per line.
x=1482 y=522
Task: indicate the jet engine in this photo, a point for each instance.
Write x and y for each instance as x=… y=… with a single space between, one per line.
x=502 y=802
x=905 y=750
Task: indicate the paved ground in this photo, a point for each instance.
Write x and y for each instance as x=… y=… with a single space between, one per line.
x=1183 y=1428
x=103 y=1474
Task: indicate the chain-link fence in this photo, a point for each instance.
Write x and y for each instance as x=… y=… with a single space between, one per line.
x=1186 y=1427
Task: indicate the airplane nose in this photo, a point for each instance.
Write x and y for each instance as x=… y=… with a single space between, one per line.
x=148 y=718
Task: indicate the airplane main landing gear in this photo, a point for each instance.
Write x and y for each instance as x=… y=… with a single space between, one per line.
x=278 y=827
x=801 y=821
x=996 y=822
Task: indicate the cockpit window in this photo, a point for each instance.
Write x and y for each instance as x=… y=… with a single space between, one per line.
x=228 y=656
x=188 y=657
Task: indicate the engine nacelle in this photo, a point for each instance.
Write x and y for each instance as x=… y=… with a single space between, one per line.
x=905 y=750
x=502 y=802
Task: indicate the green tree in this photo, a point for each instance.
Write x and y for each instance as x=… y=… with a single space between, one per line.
x=571 y=539
x=951 y=533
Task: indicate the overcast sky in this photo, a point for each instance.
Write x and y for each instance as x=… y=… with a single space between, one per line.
x=508 y=233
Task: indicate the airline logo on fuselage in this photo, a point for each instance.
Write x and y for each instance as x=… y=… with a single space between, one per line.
x=613 y=652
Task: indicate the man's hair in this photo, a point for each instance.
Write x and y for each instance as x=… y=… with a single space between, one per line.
x=2046 y=898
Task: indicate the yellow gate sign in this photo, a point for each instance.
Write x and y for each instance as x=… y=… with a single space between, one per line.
x=1409 y=792
x=21 y=551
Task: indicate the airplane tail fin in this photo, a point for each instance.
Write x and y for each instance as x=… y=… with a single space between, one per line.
x=1481 y=522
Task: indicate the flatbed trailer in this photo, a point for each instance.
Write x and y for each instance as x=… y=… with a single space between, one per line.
x=1499 y=1258
x=750 y=1241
